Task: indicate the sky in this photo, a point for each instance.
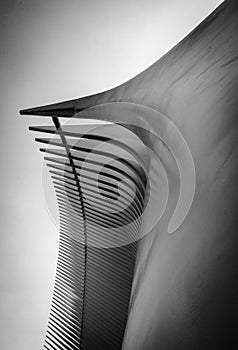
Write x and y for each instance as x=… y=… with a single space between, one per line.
x=52 y=51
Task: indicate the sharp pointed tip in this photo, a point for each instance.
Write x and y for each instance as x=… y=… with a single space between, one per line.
x=61 y=109
x=28 y=111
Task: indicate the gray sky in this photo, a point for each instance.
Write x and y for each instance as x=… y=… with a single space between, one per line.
x=52 y=51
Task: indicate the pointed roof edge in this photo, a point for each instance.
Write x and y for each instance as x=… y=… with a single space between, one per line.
x=126 y=91
x=65 y=108
x=69 y=107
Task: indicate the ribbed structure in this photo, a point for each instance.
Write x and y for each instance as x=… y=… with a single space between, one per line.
x=184 y=292
x=98 y=218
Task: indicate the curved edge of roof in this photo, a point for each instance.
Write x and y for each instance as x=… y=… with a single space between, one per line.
x=120 y=93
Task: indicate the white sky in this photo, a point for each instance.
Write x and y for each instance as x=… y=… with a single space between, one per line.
x=52 y=51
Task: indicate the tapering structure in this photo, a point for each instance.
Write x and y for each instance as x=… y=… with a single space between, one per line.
x=95 y=265
x=147 y=204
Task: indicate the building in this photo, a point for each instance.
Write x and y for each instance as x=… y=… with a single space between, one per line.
x=167 y=277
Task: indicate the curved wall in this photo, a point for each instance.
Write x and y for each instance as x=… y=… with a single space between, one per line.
x=184 y=290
